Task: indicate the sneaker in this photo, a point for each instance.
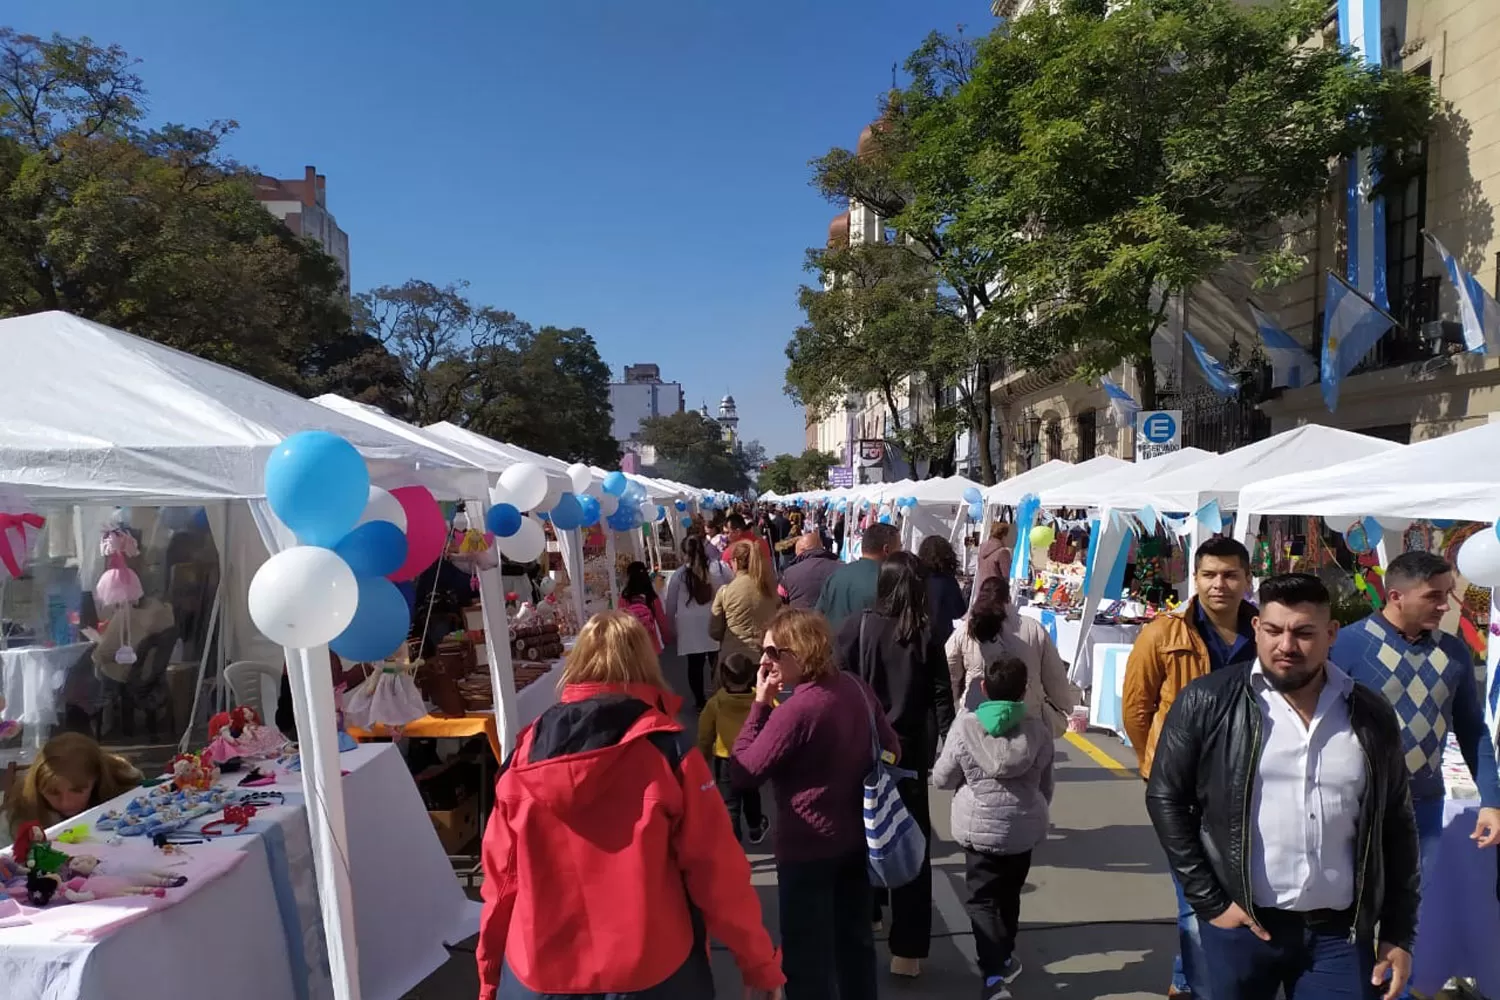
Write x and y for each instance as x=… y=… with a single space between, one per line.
x=910 y=968
x=1010 y=970
x=994 y=988
x=758 y=832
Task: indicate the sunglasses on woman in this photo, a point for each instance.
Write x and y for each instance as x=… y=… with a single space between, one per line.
x=773 y=653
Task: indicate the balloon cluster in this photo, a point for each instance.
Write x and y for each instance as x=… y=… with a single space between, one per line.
x=628 y=506
x=906 y=503
x=339 y=586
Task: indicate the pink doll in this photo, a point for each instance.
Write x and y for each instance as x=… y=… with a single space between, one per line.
x=119 y=586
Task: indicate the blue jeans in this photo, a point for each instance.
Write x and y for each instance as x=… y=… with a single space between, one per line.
x=827 y=943
x=1306 y=961
x=1188 y=966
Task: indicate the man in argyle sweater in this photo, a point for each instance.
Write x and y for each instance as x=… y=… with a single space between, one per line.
x=1428 y=677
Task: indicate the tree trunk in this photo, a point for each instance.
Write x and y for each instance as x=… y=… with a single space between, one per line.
x=984 y=421
x=1145 y=374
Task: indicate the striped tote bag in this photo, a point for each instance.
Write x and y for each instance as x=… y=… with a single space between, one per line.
x=895 y=846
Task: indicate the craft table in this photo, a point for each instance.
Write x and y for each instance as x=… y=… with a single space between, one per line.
x=256 y=933
x=1065 y=633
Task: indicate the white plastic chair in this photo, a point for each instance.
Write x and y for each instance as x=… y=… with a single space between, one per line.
x=250 y=681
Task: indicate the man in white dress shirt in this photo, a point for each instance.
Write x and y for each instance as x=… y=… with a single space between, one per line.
x=1279 y=792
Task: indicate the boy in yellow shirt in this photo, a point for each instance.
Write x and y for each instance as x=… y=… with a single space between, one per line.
x=719 y=726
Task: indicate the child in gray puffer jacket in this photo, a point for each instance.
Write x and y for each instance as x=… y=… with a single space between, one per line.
x=1000 y=760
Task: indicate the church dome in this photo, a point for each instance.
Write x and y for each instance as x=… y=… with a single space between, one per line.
x=727 y=401
x=838 y=230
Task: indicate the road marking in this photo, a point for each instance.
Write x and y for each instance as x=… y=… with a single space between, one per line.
x=1099 y=757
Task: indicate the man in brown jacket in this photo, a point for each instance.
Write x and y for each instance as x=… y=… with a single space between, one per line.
x=1214 y=629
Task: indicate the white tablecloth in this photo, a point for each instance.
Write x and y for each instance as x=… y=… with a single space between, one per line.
x=233 y=939
x=1066 y=633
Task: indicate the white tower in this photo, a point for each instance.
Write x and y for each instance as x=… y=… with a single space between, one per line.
x=729 y=420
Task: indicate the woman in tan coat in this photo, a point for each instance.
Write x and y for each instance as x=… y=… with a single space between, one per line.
x=745 y=605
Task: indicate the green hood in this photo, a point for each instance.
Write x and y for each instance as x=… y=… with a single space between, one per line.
x=1000 y=717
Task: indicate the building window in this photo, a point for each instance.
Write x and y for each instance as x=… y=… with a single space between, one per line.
x=1088 y=434
x=1405 y=218
x=1054 y=439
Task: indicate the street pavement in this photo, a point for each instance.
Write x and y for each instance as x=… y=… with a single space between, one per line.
x=1097 y=918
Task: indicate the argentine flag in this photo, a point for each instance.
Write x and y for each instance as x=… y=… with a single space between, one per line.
x=1292 y=366
x=1121 y=404
x=1351 y=327
x=1480 y=313
x=1214 y=372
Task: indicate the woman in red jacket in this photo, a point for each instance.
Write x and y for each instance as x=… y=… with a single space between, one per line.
x=609 y=860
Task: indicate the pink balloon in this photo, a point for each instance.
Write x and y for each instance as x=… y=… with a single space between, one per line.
x=426 y=531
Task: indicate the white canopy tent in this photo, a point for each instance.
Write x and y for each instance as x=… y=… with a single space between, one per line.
x=1010 y=492
x=1099 y=490
x=156 y=426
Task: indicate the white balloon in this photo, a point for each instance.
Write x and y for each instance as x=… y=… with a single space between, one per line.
x=527 y=544
x=526 y=484
x=1339 y=524
x=557 y=485
x=1479 y=559
x=580 y=476
x=303 y=597
x=648 y=512
x=608 y=504
x=1394 y=527
x=499 y=495
x=383 y=507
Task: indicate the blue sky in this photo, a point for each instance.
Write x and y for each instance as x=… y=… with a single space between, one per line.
x=636 y=167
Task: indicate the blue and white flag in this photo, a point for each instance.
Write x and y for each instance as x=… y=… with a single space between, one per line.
x=1121 y=404
x=1292 y=365
x=1352 y=325
x=1210 y=519
x=1149 y=518
x=1478 y=309
x=1214 y=372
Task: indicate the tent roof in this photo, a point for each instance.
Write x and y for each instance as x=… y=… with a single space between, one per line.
x=1048 y=473
x=376 y=417
x=1222 y=477
x=94 y=415
x=949 y=489
x=1100 y=490
x=1448 y=477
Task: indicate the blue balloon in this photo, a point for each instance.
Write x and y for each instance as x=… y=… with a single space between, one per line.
x=615 y=483
x=661 y=512
x=375 y=548
x=707 y=503
x=972 y=495
x=1364 y=535
x=1442 y=524
x=687 y=522
x=976 y=512
x=408 y=590
x=381 y=623
x=680 y=505
x=568 y=514
x=503 y=520
x=318 y=485
x=885 y=518
x=635 y=493
x=621 y=520
x=589 y=508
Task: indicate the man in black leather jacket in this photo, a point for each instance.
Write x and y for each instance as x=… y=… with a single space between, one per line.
x=1280 y=796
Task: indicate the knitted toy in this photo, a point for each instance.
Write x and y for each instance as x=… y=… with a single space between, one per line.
x=50 y=871
x=119 y=586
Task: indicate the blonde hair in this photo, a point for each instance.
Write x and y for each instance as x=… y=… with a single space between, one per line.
x=747 y=558
x=805 y=633
x=613 y=648
x=73 y=760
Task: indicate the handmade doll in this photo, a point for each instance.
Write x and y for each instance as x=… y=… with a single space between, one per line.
x=240 y=733
x=50 y=872
x=119 y=586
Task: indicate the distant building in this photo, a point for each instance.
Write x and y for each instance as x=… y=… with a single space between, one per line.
x=303 y=206
x=639 y=397
x=729 y=421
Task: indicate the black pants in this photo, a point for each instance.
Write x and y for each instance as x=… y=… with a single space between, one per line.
x=827 y=945
x=911 y=905
x=994 y=882
x=695 y=664
x=737 y=801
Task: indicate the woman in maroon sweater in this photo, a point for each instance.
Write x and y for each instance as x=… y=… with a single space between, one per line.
x=815 y=751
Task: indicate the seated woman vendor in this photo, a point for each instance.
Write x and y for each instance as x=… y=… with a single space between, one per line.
x=71 y=775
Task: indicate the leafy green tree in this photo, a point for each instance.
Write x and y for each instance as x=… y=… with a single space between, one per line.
x=793 y=473
x=153 y=231
x=691 y=449
x=1137 y=153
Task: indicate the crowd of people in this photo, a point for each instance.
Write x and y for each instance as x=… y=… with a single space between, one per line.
x=614 y=852
x=1298 y=802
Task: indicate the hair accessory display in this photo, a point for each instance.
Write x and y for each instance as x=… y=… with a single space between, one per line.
x=264 y=799
x=235 y=815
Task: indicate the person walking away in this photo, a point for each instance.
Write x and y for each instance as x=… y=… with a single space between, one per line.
x=719 y=726
x=1279 y=793
x=992 y=631
x=638 y=598
x=894 y=650
x=1427 y=675
x=994 y=555
x=744 y=606
x=802 y=581
x=689 y=605
x=850 y=589
x=606 y=816
x=815 y=751
x=999 y=758
x=945 y=597
x=1213 y=630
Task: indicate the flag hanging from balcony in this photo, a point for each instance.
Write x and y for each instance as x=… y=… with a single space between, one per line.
x=1292 y=366
x=1214 y=372
x=1478 y=309
x=1352 y=325
x=1121 y=404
